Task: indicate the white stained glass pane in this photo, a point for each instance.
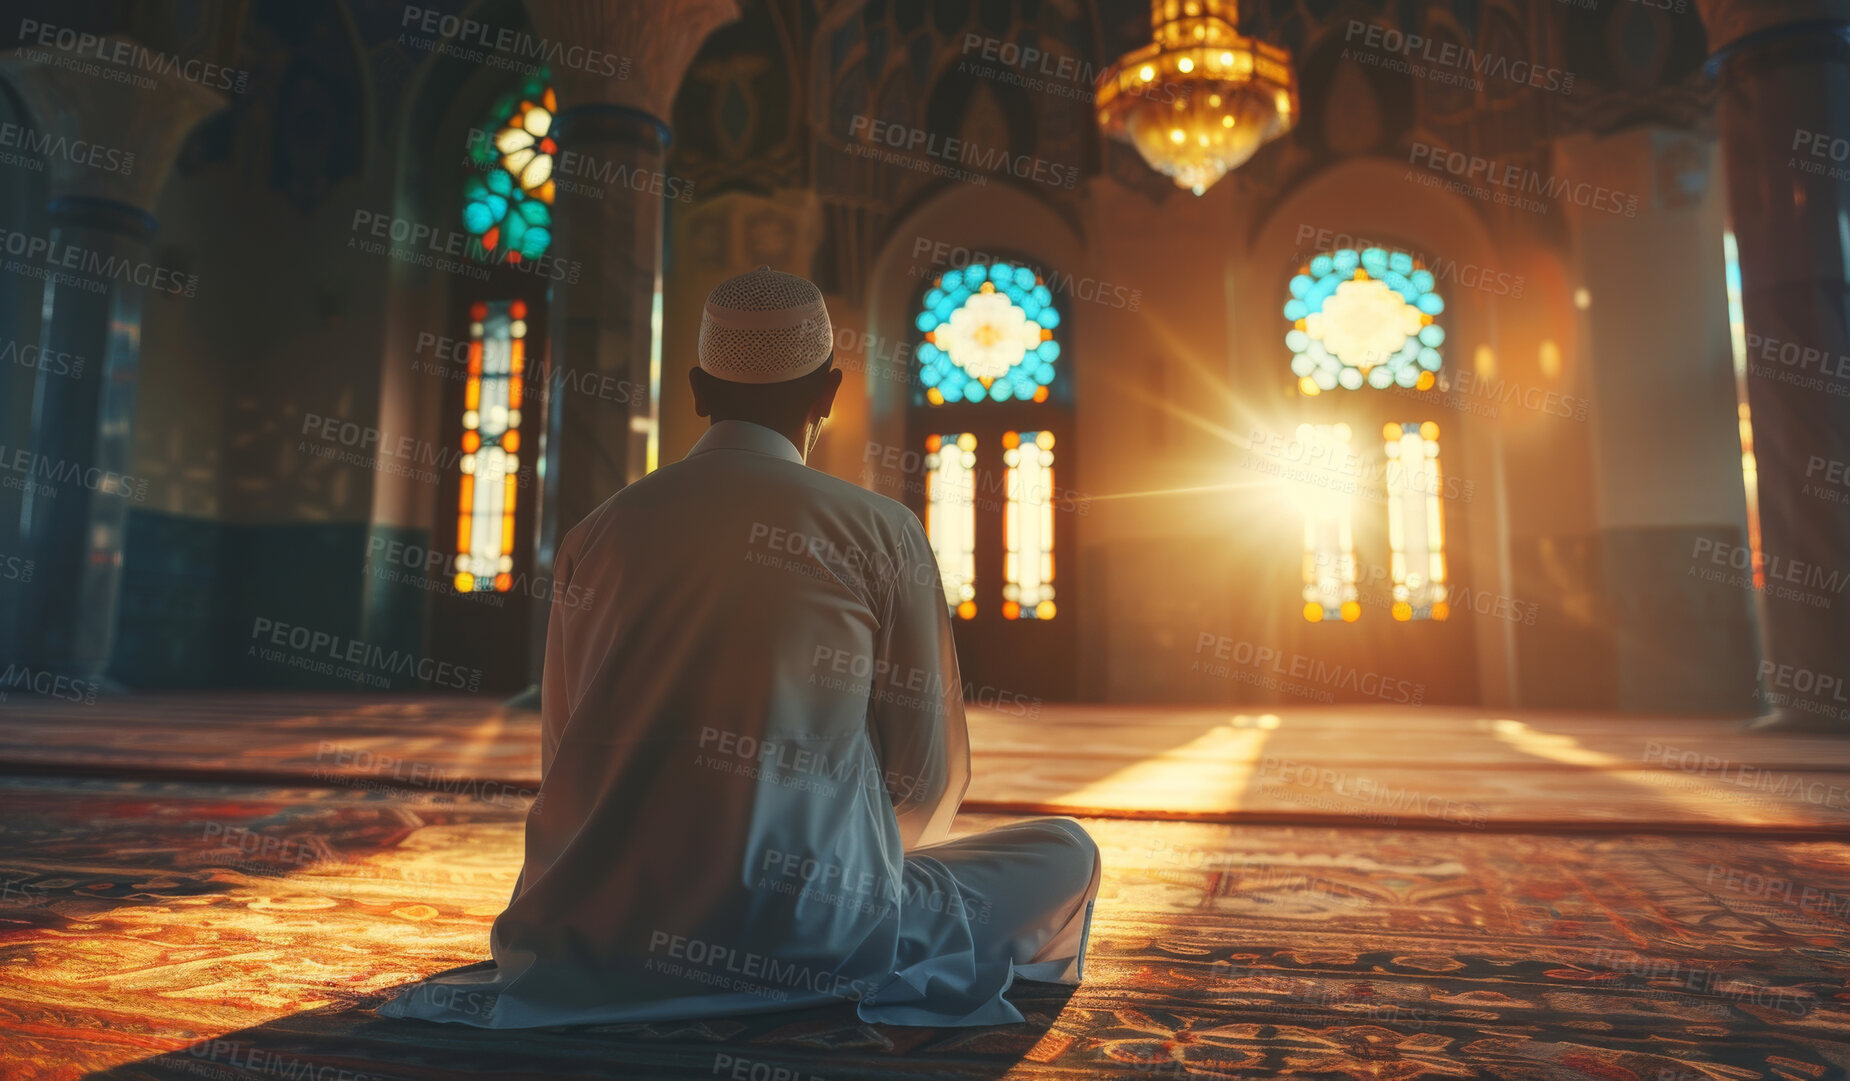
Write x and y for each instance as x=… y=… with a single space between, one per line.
x=950 y=516
x=1329 y=533
x=1027 y=526
x=491 y=417
x=1416 y=520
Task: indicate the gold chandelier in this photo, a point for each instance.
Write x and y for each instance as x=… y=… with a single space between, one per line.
x=1200 y=99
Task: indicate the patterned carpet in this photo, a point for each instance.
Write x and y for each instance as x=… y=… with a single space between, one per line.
x=169 y=929
x=1411 y=768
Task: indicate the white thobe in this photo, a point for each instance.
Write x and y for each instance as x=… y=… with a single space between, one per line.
x=754 y=745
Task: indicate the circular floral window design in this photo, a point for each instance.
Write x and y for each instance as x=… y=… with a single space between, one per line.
x=988 y=335
x=1364 y=317
x=507 y=200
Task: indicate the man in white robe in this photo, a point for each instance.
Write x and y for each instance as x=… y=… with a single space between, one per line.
x=754 y=745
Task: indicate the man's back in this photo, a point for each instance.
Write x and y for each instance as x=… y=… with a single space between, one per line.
x=754 y=744
x=731 y=638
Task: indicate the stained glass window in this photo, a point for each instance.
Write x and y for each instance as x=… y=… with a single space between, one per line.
x=988 y=335
x=1329 y=532
x=1027 y=526
x=1416 y=520
x=490 y=446
x=507 y=200
x=1364 y=317
x=950 y=516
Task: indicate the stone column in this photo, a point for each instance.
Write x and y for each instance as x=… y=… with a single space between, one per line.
x=98 y=266
x=1784 y=73
x=611 y=169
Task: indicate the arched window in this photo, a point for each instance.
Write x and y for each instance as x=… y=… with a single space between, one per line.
x=1364 y=317
x=990 y=352
x=507 y=192
x=507 y=197
x=1367 y=320
x=989 y=335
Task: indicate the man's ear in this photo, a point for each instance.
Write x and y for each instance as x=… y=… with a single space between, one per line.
x=695 y=379
x=825 y=401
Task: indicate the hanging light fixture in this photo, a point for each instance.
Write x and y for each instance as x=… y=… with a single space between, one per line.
x=1200 y=99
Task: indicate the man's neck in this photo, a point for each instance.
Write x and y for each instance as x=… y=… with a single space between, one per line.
x=796 y=437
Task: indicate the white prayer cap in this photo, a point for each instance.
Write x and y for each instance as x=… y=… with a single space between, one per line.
x=765 y=326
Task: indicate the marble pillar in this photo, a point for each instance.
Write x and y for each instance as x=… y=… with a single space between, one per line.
x=98 y=267
x=613 y=180
x=1784 y=72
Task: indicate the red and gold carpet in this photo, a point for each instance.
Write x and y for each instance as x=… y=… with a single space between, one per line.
x=196 y=929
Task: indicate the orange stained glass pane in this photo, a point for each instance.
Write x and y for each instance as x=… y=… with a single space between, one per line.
x=465 y=582
x=504 y=582
x=507 y=534
x=544 y=192
x=466 y=503
x=1040 y=394
x=511 y=440
x=1011 y=440
x=462 y=533
x=517 y=353
x=517 y=308
x=472 y=441
x=510 y=491
x=478 y=311
x=1011 y=610
x=472 y=397
x=515 y=389
x=966 y=610
x=933 y=442
x=475 y=357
